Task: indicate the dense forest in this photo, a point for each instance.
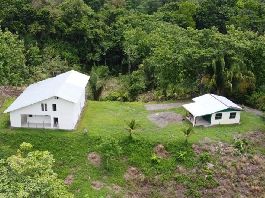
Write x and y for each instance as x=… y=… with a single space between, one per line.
x=172 y=49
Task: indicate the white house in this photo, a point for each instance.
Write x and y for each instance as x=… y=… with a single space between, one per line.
x=210 y=109
x=54 y=103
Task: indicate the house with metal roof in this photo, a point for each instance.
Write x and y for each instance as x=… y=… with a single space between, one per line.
x=54 y=103
x=210 y=109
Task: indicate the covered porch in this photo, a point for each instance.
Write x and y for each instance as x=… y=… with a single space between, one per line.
x=36 y=121
x=199 y=120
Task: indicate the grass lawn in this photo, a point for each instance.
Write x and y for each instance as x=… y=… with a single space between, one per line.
x=105 y=122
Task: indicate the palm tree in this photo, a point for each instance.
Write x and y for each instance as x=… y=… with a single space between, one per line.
x=187 y=133
x=131 y=126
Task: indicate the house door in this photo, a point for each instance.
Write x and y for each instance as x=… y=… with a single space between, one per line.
x=55 y=122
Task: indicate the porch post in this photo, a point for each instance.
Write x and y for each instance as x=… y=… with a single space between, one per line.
x=194 y=120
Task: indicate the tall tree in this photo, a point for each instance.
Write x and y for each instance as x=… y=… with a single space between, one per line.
x=13 y=70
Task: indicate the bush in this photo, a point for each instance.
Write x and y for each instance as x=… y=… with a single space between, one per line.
x=204 y=157
x=181 y=156
x=119 y=95
x=155 y=159
x=29 y=174
x=257 y=100
x=241 y=145
x=135 y=84
x=110 y=150
x=97 y=80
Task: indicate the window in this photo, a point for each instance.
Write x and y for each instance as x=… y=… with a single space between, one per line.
x=54 y=107
x=43 y=107
x=218 y=116
x=30 y=115
x=232 y=115
x=56 y=97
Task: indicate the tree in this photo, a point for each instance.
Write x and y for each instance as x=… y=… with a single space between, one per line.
x=13 y=70
x=97 y=80
x=215 y=13
x=79 y=25
x=131 y=127
x=180 y=13
x=250 y=15
x=29 y=174
x=187 y=133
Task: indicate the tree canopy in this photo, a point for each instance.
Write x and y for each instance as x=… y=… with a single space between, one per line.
x=187 y=46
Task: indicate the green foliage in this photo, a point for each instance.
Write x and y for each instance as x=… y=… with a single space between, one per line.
x=187 y=133
x=181 y=156
x=241 y=145
x=181 y=13
x=29 y=174
x=135 y=84
x=111 y=151
x=72 y=159
x=13 y=70
x=155 y=159
x=257 y=99
x=204 y=157
x=175 y=48
x=97 y=80
x=131 y=127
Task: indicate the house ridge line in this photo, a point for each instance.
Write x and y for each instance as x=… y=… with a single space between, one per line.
x=219 y=100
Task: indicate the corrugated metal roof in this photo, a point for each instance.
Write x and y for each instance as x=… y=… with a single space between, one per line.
x=208 y=104
x=68 y=85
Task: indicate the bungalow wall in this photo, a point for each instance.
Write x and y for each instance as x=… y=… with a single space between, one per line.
x=225 y=118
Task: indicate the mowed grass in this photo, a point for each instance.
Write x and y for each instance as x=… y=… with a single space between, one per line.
x=108 y=119
x=106 y=122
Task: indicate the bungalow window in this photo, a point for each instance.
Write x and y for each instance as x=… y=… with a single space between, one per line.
x=218 y=116
x=54 y=107
x=232 y=115
x=56 y=97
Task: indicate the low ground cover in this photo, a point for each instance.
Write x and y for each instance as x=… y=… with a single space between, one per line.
x=105 y=162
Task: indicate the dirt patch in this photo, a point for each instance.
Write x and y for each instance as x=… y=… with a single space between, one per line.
x=214 y=148
x=69 y=180
x=148 y=189
x=160 y=151
x=115 y=188
x=9 y=91
x=241 y=175
x=133 y=173
x=97 y=185
x=155 y=107
x=257 y=138
x=94 y=159
x=162 y=119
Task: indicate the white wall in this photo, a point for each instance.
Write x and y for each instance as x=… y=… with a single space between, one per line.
x=65 y=112
x=79 y=106
x=225 y=118
x=39 y=119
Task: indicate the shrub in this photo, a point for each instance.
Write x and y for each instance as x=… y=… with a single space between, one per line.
x=204 y=157
x=135 y=84
x=187 y=133
x=97 y=80
x=155 y=159
x=181 y=156
x=241 y=145
x=110 y=150
x=29 y=174
x=257 y=99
